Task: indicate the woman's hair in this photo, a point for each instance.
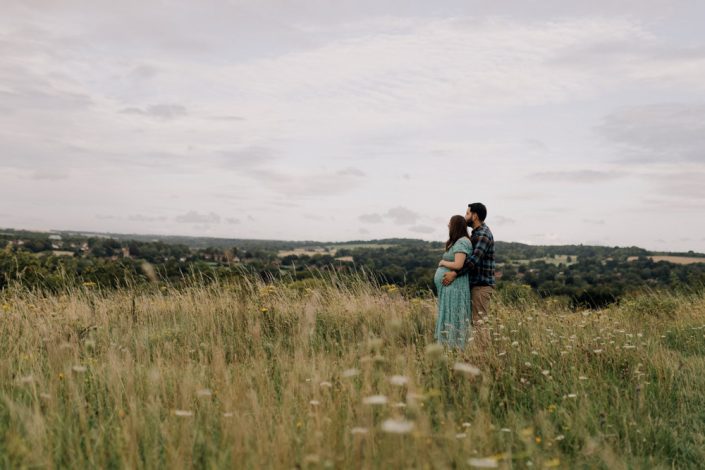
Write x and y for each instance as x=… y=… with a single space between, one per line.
x=458 y=229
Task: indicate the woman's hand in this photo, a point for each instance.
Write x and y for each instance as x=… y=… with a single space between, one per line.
x=440 y=263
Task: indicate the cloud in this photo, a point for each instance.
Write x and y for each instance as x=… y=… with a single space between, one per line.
x=145 y=218
x=402 y=216
x=159 y=111
x=577 y=176
x=666 y=132
x=232 y=220
x=246 y=158
x=594 y=221
x=502 y=220
x=422 y=229
x=351 y=172
x=194 y=217
x=371 y=218
x=300 y=184
x=52 y=174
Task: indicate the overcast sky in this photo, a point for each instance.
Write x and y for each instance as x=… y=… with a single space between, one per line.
x=573 y=121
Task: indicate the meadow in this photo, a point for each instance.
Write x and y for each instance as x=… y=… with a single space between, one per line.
x=344 y=373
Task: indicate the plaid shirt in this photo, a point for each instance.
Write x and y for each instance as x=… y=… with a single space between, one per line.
x=480 y=264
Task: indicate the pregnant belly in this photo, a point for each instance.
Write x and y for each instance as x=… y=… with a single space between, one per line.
x=438 y=277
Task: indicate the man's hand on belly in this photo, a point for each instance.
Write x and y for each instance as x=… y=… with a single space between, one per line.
x=449 y=277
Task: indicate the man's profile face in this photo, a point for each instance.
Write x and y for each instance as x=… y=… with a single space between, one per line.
x=469 y=216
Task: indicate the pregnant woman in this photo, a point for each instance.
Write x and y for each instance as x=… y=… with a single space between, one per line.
x=454 y=306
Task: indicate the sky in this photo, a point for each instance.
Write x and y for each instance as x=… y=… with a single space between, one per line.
x=573 y=121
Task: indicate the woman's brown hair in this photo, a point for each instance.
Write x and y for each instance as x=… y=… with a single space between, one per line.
x=458 y=228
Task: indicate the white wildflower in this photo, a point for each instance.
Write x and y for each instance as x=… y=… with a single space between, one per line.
x=350 y=373
x=399 y=380
x=467 y=369
x=375 y=400
x=183 y=413
x=397 y=426
x=487 y=462
x=358 y=430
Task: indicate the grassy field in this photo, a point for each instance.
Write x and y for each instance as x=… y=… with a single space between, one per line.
x=672 y=259
x=344 y=375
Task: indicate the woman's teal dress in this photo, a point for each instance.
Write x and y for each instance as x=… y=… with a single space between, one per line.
x=454 y=306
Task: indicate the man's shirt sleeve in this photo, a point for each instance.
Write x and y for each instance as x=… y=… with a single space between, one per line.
x=483 y=243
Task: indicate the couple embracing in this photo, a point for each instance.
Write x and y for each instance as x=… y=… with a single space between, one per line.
x=465 y=277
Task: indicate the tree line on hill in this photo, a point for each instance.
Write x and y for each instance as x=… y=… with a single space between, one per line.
x=583 y=276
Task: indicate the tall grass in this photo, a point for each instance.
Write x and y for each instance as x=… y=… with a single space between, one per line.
x=343 y=373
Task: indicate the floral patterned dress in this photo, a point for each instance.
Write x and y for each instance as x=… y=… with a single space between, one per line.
x=454 y=306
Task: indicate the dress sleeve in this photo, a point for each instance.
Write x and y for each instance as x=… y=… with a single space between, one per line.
x=464 y=246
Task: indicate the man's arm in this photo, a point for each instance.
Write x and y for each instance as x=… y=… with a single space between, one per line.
x=483 y=243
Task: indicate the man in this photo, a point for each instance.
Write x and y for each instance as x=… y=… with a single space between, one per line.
x=480 y=264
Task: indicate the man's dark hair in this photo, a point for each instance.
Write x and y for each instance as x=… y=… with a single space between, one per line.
x=479 y=209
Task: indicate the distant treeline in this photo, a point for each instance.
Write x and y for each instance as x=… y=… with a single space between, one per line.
x=582 y=276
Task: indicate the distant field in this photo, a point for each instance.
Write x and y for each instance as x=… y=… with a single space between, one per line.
x=672 y=259
x=307 y=252
x=329 y=250
x=556 y=260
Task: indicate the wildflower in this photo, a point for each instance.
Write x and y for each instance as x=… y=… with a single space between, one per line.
x=227 y=414
x=314 y=402
x=89 y=284
x=461 y=435
x=505 y=430
x=560 y=437
x=487 y=462
x=597 y=351
x=551 y=408
x=397 y=426
x=546 y=372
x=350 y=373
x=467 y=369
x=61 y=376
x=466 y=424
x=572 y=395
x=503 y=353
x=264 y=310
x=534 y=353
x=205 y=392
x=183 y=413
x=582 y=377
x=5 y=307
x=552 y=463
x=325 y=384
x=515 y=344
x=358 y=430
x=375 y=400
x=399 y=405
x=538 y=439
x=434 y=349
x=399 y=380
x=79 y=369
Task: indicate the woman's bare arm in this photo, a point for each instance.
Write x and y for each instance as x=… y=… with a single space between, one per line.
x=456 y=264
